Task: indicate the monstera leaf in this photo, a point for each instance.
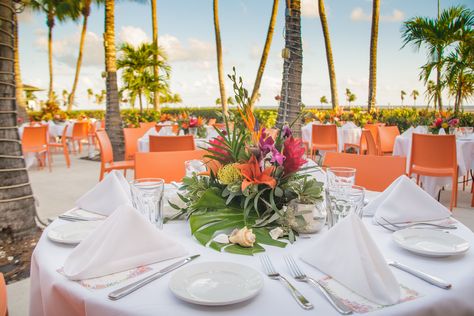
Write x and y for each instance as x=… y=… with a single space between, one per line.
x=220 y=217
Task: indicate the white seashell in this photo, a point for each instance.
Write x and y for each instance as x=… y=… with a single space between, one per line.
x=243 y=237
x=276 y=233
x=221 y=239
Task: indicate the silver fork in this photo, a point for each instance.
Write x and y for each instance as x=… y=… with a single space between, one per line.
x=398 y=226
x=299 y=275
x=272 y=274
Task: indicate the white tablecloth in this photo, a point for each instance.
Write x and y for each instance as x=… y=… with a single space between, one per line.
x=432 y=185
x=348 y=133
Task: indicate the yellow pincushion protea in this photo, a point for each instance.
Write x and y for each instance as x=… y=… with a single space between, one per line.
x=229 y=174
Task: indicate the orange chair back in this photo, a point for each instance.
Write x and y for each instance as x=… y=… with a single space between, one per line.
x=386 y=138
x=211 y=122
x=375 y=173
x=106 y=152
x=80 y=130
x=433 y=151
x=168 y=166
x=3 y=296
x=36 y=136
x=171 y=143
x=324 y=135
x=147 y=125
x=367 y=143
x=131 y=136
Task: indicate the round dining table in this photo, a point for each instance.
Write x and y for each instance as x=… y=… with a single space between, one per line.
x=53 y=294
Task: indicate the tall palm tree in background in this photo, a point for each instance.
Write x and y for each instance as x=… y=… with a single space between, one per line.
x=20 y=98
x=220 y=64
x=154 y=23
x=374 y=34
x=266 y=51
x=436 y=35
x=290 y=103
x=113 y=120
x=414 y=94
x=402 y=96
x=431 y=93
x=60 y=10
x=329 y=58
x=17 y=204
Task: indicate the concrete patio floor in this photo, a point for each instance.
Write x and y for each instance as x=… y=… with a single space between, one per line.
x=56 y=192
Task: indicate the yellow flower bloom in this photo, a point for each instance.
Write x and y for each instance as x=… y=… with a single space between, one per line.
x=229 y=174
x=444 y=125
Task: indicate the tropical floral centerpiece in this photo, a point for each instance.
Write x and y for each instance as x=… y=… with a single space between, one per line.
x=192 y=125
x=242 y=202
x=443 y=123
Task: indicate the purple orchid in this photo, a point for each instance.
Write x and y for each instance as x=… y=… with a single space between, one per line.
x=267 y=147
x=286 y=131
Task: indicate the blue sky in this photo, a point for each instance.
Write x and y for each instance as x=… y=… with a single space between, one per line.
x=187 y=34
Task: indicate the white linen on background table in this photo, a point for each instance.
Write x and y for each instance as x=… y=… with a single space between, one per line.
x=144 y=141
x=348 y=133
x=432 y=185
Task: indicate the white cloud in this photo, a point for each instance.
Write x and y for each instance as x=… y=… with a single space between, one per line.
x=358 y=14
x=193 y=50
x=133 y=35
x=309 y=8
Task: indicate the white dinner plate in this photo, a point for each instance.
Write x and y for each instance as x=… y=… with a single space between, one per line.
x=72 y=233
x=86 y=215
x=216 y=283
x=430 y=242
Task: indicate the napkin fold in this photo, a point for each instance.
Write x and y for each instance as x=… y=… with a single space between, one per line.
x=408 y=132
x=441 y=131
x=106 y=195
x=349 y=125
x=404 y=201
x=124 y=241
x=349 y=255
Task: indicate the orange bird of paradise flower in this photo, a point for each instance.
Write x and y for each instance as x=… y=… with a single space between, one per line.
x=250 y=121
x=253 y=175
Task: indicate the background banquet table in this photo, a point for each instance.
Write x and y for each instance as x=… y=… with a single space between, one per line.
x=52 y=294
x=432 y=185
x=348 y=133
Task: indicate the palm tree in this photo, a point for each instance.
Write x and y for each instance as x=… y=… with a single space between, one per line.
x=137 y=66
x=154 y=22
x=90 y=94
x=436 y=35
x=20 y=98
x=54 y=9
x=290 y=103
x=323 y=100
x=220 y=65
x=414 y=94
x=17 y=204
x=402 y=96
x=373 y=54
x=431 y=93
x=352 y=97
x=85 y=7
x=266 y=51
x=113 y=121
x=329 y=57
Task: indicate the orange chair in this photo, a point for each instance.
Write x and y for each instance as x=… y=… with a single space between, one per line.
x=366 y=145
x=80 y=131
x=35 y=140
x=171 y=143
x=435 y=156
x=373 y=128
x=131 y=136
x=386 y=138
x=324 y=137
x=63 y=145
x=107 y=162
x=375 y=173
x=211 y=122
x=168 y=166
x=147 y=125
x=3 y=297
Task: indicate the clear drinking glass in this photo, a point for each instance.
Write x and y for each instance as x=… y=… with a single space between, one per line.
x=147 y=198
x=343 y=200
x=194 y=166
x=340 y=176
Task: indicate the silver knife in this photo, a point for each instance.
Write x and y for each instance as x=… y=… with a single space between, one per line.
x=124 y=291
x=422 y=275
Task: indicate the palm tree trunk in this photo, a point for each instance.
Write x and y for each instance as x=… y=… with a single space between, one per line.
x=373 y=54
x=438 y=79
x=17 y=204
x=20 y=98
x=220 y=65
x=154 y=22
x=266 y=51
x=85 y=13
x=290 y=104
x=140 y=101
x=113 y=121
x=330 y=60
x=50 y=23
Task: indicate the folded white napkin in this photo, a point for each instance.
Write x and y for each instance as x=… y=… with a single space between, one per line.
x=124 y=241
x=349 y=255
x=441 y=131
x=421 y=129
x=408 y=132
x=404 y=201
x=106 y=195
x=349 y=125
